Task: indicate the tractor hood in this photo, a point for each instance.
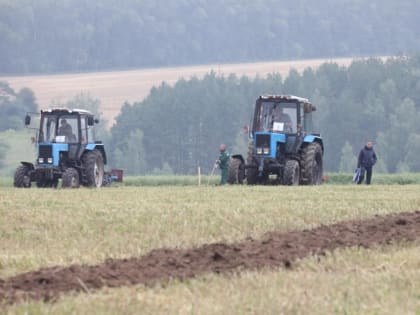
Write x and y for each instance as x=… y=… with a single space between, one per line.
x=265 y=143
x=49 y=153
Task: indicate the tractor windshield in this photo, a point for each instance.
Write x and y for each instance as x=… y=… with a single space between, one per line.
x=280 y=117
x=59 y=128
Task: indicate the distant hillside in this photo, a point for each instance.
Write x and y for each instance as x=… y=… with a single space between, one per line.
x=49 y=36
x=116 y=87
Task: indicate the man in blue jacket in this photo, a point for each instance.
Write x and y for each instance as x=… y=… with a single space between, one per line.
x=367 y=158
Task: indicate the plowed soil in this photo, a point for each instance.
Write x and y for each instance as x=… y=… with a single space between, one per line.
x=274 y=250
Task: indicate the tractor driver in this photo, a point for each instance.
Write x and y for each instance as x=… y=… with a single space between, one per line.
x=65 y=129
x=280 y=117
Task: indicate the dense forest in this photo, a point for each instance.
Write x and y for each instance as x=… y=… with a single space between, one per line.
x=46 y=36
x=175 y=129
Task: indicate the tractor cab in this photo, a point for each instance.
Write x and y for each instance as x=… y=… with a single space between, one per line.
x=283 y=114
x=276 y=117
x=64 y=126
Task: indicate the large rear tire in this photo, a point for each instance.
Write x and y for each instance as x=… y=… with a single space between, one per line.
x=312 y=167
x=236 y=173
x=291 y=175
x=22 y=177
x=70 y=178
x=252 y=171
x=93 y=165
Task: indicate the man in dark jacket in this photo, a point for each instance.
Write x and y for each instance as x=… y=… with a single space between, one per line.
x=367 y=158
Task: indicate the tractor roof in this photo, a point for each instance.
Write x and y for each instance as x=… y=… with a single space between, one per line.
x=66 y=111
x=284 y=98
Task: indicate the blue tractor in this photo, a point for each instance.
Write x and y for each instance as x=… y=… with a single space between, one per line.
x=283 y=147
x=66 y=150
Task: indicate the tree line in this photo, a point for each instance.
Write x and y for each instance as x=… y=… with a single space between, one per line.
x=13 y=106
x=46 y=36
x=178 y=128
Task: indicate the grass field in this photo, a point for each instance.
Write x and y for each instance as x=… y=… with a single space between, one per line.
x=43 y=227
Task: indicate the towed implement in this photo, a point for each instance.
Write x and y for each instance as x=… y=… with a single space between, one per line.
x=283 y=147
x=66 y=150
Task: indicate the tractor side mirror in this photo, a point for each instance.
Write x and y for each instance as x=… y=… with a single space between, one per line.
x=96 y=121
x=308 y=108
x=91 y=121
x=27 y=120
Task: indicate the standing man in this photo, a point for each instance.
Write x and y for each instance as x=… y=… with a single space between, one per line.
x=223 y=163
x=367 y=158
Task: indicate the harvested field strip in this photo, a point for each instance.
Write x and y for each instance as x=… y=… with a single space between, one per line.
x=272 y=251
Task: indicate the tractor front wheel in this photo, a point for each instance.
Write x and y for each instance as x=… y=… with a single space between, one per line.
x=22 y=177
x=291 y=173
x=312 y=164
x=93 y=165
x=70 y=178
x=236 y=171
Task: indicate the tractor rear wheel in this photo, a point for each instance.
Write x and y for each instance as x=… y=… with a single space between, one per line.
x=93 y=164
x=291 y=173
x=22 y=178
x=70 y=178
x=252 y=172
x=236 y=171
x=312 y=164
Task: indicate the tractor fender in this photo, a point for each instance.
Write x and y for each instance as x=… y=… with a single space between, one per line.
x=96 y=146
x=28 y=164
x=313 y=138
x=239 y=157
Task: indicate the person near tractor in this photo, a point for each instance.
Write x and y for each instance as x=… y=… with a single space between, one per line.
x=65 y=129
x=280 y=117
x=367 y=158
x=223 y=164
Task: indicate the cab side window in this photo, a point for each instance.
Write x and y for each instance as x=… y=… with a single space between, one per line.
x=83 y=125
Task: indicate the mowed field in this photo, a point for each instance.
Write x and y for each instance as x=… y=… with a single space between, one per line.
x=116 y=87
x=47 y=228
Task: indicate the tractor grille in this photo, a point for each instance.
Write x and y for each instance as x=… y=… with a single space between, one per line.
x=45 y=151
x=262 y=141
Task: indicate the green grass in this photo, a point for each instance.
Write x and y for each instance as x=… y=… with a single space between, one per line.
x=378 y=179
x=45 y=227
x=169 y=180
x=332 y=179
x=20 y=148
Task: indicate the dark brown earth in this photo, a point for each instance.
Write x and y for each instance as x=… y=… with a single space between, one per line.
x=272 y=251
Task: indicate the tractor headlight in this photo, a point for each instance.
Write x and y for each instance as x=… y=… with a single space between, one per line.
x=259 y=150
x=266 y=150
x=49 y=160
x=40 y=160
